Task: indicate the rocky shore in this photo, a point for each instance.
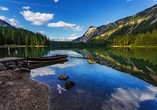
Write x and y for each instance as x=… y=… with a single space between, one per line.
x=18 y=91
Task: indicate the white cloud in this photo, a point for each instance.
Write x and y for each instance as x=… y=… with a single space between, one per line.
x=61 y=24
x=56 y=0
x=41 y=32
x=68 y=52
x=77 y=28
x=42 y=71
x=26 y=7
x=11 y=21
x=64 y=25
x=64 y=38
x=14 y=16
x=68 y=64
x=129 y=99
x=73 y=35
x=4 y=8
x=129 y=0
x=37 y=18
x=3 y=18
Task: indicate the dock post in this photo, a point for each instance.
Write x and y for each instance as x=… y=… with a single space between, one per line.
x=25 y=52
x=8 y=51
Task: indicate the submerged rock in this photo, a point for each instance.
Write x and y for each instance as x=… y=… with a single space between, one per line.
x=63 y=77
x=69 y=85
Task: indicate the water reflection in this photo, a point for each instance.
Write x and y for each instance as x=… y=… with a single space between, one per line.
x=129 y=99
x=59 y=88
x=100 y=84
x=143 y=67
x=42 y=71
x=68 y=64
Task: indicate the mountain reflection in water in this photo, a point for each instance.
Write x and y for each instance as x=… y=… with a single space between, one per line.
x=143 y=67
x=119 y=82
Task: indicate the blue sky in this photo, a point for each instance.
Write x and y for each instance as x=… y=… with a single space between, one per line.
x=67 y=19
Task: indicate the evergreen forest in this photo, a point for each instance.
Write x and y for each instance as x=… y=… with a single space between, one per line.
x=19 y=36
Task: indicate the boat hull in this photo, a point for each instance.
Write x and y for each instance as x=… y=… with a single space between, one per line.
x=32 y=60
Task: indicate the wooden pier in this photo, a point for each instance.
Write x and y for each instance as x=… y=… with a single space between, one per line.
x=86 y=58
x=8 y=48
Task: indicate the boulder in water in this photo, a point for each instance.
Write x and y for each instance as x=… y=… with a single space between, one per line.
x=69 y=84
x=63 y=77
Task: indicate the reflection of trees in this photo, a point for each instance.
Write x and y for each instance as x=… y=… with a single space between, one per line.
x=3 y=52
x=31 y=52
x=132 y=65
x=147 y=54
x=37 y=52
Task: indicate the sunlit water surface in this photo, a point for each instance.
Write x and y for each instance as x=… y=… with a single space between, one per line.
x=97 y=87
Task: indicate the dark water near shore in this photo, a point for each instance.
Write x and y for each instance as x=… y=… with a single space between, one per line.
x=126 y=79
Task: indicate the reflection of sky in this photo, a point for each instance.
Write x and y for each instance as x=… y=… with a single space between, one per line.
x=95 y=84
x=68 y=64
x=48 y=71
x=68 y=52
x=129 y=99
x=42 y=71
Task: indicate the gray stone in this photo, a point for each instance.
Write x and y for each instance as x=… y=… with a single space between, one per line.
x=20 y=62
x=12 y=66
x=1 y=82
x=19 y=65
x=63 y=77
x=12 y=63
x=2 y=67
x=69 y=84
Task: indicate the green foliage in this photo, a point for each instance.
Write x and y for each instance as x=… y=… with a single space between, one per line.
x=149 y=38
x=1 y=39
x=19 y=36
x=64 y=44
x=94 y=42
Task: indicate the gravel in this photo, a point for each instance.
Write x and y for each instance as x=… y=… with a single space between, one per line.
x=19 y=92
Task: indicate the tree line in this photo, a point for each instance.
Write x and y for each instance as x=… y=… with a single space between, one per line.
x=19 y=36
x=142 y=38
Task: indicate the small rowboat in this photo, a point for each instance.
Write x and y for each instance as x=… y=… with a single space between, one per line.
x=33 y=60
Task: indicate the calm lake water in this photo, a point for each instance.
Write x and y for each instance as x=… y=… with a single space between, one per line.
x=126 y=79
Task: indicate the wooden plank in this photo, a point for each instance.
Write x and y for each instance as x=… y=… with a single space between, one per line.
x=8 y=59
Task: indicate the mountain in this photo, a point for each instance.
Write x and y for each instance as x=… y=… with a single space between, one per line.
x=11 y=35
x=88 y=35
x=141 y=21
x=4 y=24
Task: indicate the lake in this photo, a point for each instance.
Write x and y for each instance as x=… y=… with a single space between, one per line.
x=115 y=79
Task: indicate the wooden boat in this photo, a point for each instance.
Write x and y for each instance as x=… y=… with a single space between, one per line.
x=44 y=64
x=32 y=60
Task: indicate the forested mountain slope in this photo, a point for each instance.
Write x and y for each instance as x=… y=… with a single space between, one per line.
x=11 y=35
x=141 y=22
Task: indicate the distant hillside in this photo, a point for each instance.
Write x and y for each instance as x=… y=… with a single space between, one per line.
x=143 y=21
x=18 y=36
x=4 y=24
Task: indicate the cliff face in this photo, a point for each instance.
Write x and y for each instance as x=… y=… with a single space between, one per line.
x=4 y=24
x=124 y=26
x=88 y=35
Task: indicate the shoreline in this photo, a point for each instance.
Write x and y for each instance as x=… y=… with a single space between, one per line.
x=131 y=46
x=18 y=91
